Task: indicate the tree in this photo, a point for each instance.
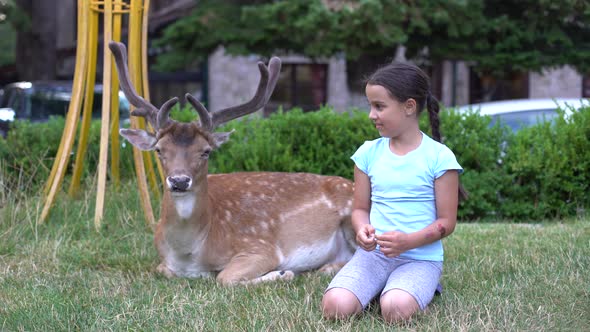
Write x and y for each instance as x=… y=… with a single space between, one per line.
x=36 y=47
x=499 y=36
x=11 y=18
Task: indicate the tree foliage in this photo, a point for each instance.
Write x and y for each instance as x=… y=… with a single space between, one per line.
x=11 y=13
x=498 y=35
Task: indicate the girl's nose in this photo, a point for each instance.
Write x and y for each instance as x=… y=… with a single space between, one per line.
x=372 y=114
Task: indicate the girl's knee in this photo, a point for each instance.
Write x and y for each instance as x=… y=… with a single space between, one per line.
x=339 y=303
x=398 y=305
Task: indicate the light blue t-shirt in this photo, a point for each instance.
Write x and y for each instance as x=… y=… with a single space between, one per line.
x=402 y=188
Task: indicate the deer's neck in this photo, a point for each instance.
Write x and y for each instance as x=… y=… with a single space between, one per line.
x=190 y=207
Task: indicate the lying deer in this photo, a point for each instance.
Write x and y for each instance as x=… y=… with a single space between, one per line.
x=249 y=227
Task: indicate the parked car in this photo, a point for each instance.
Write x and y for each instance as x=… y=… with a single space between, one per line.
x=37 y=101
x=518 y=113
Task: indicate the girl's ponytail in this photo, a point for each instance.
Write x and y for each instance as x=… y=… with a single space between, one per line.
x=433 y=107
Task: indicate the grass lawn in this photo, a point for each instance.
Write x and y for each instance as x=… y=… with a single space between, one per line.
x=65 y=276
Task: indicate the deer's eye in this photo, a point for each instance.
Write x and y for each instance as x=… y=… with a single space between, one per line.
x=205 y=154
x=157 y=150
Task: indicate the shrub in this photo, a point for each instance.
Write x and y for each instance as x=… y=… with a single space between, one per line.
x=478 y=149
x=550 y=167
x=317 y=142
x=541 y=172
x=29 y=150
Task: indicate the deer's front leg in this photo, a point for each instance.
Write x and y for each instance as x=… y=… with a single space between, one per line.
x=252 y=269
x=163 y=269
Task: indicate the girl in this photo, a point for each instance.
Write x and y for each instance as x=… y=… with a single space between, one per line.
x=405 y=202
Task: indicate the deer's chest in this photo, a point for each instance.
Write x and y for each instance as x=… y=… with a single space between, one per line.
x=183 y=252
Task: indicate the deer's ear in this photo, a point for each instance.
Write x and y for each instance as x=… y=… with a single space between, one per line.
x=141 y=139
x=220 y=138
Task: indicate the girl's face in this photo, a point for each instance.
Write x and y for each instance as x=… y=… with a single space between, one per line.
x=391 y=117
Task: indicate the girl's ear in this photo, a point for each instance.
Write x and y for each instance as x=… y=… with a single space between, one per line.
x=410 y=106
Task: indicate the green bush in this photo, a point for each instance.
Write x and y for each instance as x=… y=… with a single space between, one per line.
x=478 y=149
x=550 y=167
x=541 y=172
x=29 y=150
x=317 y=142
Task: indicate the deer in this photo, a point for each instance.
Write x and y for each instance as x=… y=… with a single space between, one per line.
x=241 y=227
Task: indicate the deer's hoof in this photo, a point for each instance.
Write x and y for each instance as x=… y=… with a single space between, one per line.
x=286 y=275
x=162 y=269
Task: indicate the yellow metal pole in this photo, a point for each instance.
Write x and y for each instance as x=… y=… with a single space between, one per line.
x=88 y=103
x=146 y=82
x=84 y=75
x=79 y=69
x=135 y=58
x=115 y=148
x=106 y=104
x=73 y=111
x=134 y=65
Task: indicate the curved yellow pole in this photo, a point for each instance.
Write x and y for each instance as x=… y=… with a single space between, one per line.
x=135 y=72
x=146 y=81
x=105 y=123
x=85 y=71
x=115 y=148
x=135 y=58
x=88 y=102
x=62 y=158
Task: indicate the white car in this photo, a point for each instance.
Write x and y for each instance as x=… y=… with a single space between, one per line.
x=518 y=113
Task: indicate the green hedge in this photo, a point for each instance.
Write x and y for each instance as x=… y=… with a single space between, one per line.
x=28 y=151
x=318 y=142
x=541 y=172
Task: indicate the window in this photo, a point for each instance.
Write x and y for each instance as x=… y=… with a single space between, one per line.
x=299 y=85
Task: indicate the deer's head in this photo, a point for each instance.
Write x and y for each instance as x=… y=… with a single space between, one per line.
x=184 y=148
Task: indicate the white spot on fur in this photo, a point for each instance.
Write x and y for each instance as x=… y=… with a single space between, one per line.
x=307 y=206
x=344 y=212
x=326 y=201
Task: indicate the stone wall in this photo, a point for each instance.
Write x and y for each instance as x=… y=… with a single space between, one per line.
x=563 y=82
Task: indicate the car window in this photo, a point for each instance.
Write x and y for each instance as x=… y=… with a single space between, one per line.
x=517 y=120
x=4 y=100
x=47 y=104
x=18 y=102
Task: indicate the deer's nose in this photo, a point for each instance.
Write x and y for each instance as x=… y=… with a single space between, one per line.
x=179 y=183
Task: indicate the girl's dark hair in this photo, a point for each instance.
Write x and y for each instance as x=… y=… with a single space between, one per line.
x=404 y=81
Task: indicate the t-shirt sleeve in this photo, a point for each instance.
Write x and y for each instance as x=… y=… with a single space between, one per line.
x=446 y=160
x=361 y=157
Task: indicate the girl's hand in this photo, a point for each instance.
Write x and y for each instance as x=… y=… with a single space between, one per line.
x=393 y=244
x=365 y=237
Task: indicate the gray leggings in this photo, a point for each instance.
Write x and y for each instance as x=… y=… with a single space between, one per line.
x=370 y=273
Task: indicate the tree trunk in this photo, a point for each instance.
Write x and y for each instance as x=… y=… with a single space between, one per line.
x=36 y=47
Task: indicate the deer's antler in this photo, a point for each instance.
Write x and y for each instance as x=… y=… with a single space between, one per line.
x=268 y=80
x=157 y=118
x=160 y=119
